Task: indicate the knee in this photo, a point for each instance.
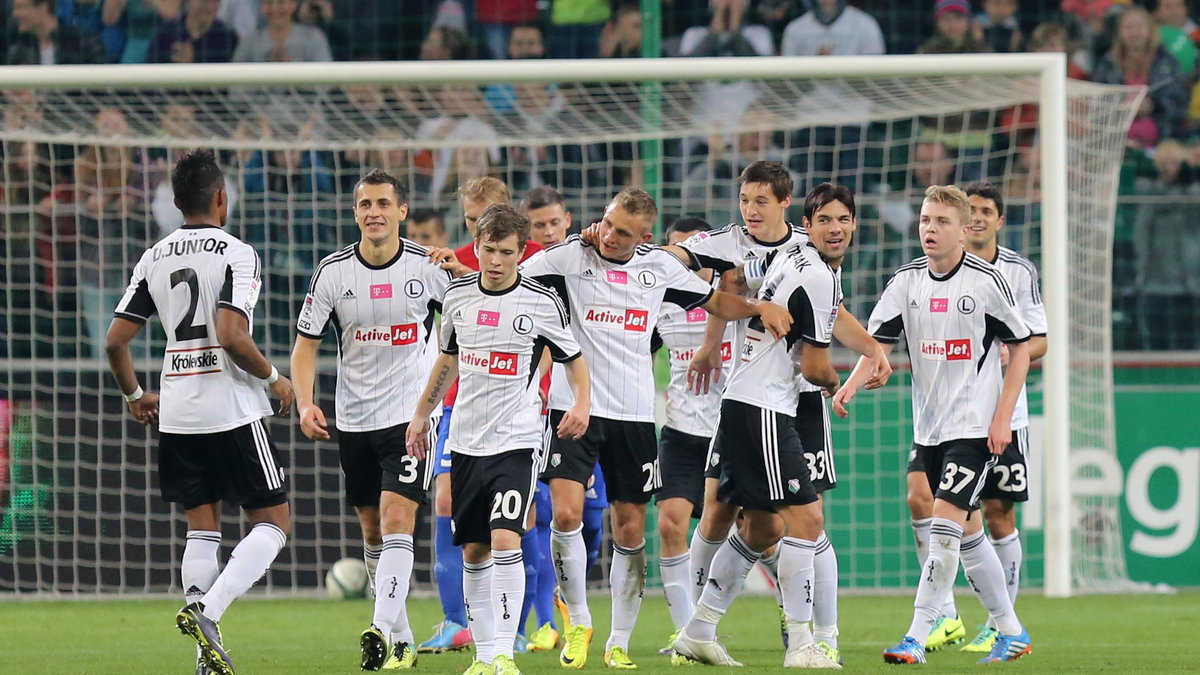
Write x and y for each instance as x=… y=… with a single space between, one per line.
x=628 y=526
x=920 y=503
x=567 y=517
x=718 y=517
x=441 y=500
x=1001 y=521
x=671 y=527
x=761 y=533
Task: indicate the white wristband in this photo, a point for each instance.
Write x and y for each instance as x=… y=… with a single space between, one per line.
x=274 y=376
x=137 y=393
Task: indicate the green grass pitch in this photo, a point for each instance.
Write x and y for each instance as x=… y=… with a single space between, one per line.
x=1116 y=634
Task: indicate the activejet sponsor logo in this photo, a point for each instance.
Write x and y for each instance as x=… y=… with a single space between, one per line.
x=387 y=336
x=685 y=355
x=946 y=350
x=491 y=363
x=613 y=317
x=199 y=361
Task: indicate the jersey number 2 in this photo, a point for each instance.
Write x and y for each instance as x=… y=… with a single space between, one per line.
x=185 y=330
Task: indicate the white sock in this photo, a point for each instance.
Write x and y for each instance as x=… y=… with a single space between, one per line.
x=921 y=535
x=825 y=592
x=796 y=585
x=676 y=587
x=200 y=565
x=937 y=576
x=508 y=592
x=730 y=565
x=247 y=564
x=477 y=596
x=627 y=577
x=986 y=576
x=770 y=562
x=569 y=555
x=391 y=584
x=1011 y=553
x=701 y=551
x=371 y=560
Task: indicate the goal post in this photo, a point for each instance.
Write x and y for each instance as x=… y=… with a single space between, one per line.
x=291 y=137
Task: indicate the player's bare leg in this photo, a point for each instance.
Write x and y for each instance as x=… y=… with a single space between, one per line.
x=674 y=519
x=716 y=520
x=949 y=629
x=569 y=555
x=627 y=578
x=389 y=625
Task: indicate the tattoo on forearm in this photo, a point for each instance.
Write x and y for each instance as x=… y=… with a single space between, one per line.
x=436 y=393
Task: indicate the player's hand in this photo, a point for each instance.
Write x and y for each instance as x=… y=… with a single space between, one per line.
x=448 y=260
x=705 y=368
x=591 y=235
x=313 y=424
x=881 y=371
x=999 y=436
x=841 y=399
x=574 y=423
x=282 y=389
x=775 y=319
x=416 y=439
x=145 y=409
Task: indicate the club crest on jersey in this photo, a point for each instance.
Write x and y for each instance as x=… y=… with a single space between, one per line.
x=611 y=317
x=832 y=319
x=413 y=288
x=381 y=291
x=387 y=336
x=646 y=279
x=946 y=350
x=715 y=459
x=794 y=485
x=616 y=277
x=523 y=324
x=939 y=305
x=966 y=304
x=196 y=361
x=486 y=318
x=308 y=305
x=555 y=459
x=490 y=363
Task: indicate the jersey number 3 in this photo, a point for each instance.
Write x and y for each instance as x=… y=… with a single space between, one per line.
x=185 y=330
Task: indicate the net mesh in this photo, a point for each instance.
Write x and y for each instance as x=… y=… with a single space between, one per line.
x=85 y=189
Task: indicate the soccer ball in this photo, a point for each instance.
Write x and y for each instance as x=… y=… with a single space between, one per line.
x=347 y=579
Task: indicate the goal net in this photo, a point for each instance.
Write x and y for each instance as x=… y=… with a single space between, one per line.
x=85 y=188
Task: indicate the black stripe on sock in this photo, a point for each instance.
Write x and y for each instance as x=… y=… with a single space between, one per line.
x=744 y=550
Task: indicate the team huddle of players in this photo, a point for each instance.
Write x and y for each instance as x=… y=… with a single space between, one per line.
x=524 y=467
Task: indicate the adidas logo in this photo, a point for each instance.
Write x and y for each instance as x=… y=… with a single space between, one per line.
x=750 y=255
x=194 y=590
x=588 y=274
x=912 y=304
x=349 y=294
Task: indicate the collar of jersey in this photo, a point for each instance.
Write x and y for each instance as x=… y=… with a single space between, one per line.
x=510 y=289
x=949 y=274
x=361 y=259
x=787 y=235
x=199 y=227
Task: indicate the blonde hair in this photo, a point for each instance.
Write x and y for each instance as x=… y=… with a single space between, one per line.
x=485 y=190
x=637 y=202
x=1136 y=63
x=950 y=195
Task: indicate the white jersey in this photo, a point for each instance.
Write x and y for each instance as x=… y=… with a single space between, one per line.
x=186 y=277
x=682 y=333
x=800 y=281
x=1022 y=276
x=614 y=307
x=951 y=324
x=383 y=318
x=498 y=337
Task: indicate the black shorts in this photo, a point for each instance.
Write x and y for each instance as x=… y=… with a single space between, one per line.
x=1009 y=479
x=240 y=466
x=682 y=459
x=491 y=493
x=627 y=452
x=762 y=460
x=956 y=469
x=374 y=461
x=812 y=425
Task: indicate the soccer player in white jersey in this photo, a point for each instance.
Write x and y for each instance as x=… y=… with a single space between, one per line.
x=380 y=295
x=1007 y=483
x=495 y=323
x=955 y=310
x=614 y=292
x=684 y=441
x=213 y=446
x=764 y=468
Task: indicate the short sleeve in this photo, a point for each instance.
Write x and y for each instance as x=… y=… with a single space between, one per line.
x=318 y=305
x=436 y=280
x=684 y=287
x=554 y=329
x=887 y=317
x=713 y=250
x=812 y=313
x=137 y=305
x=449 y=340
x=1000 y=311
x=240 y=290
x=1029 y=301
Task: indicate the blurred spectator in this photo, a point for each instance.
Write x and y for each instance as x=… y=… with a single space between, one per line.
x=427 y=227
x=1175 y=38
x=931 y=164
x=1168 y=255
x=777 y=15
x=1175 y=13
x=42 y=39
x=87 y=16
x=833 y=27
x=496 y=20
x=727 y=34
x=952 y=30
x=138 y=21
x=1088 y=24
x=1137 y=57
x=1052 y=37
x=526 y=41
x=576 y=26
x=711 y=185
x=178 y=123
x=23 y=109
x=366 y=30
x=621 y=36
x=997 y=25
x=462 y=117
x=282 y=39
x=1020 y=122
x=241 y=15
x=197 y=37
x=445 y=44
